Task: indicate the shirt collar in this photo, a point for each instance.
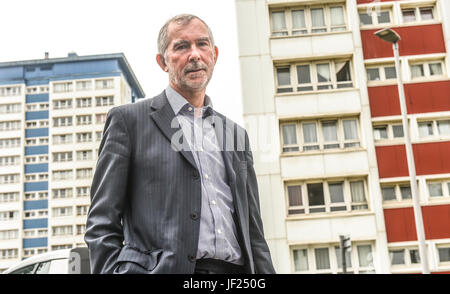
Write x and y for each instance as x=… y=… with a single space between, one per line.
x=178 y=102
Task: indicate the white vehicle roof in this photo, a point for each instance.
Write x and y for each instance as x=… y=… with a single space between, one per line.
x=57 y=254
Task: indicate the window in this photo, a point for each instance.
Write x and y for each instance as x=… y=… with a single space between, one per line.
x=62 y=104
x=84 y=137
x=84 y=120
x=396 y=192
x=8 y=253
x=84 y=155
x=427 y=69
x=10 y=108
x=100 y=118
x=10 y=91
x=62 y=230
x=62 y=175
x=9 y=215
x=329 y=196
x=84 y=102
x=320 y=135
x=9 y=179
x=104 y=84
x=308 y=20
x=63 y=87
x=444 y=253
x=381 y=73
x=388 y=131
x=62 y=139
x=9 y=234
x=63 y=121
x=375 y=17
x=315 y=76
x=10 y=143
x=62 y=193
x=81 y=229
x=62 y=156
x=84 y=173
x=438 y=188
x=82 y=209
x=62 y=211
x=9 y=197
x=404 y=256
x=59 y=247
x=84 y=85
x=83 y=191
x=9 y=160
x=10 y=125
x=418 y=14
x=327 y=259
x=98 y=136
x=434 y=128
x=104 y=101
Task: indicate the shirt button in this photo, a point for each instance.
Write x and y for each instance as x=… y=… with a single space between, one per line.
x=219 y=231
x=213 y=202
x=206 y=176
x=190 y=108
x=194 y=216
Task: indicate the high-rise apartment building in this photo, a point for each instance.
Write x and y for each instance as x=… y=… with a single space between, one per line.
x=321 y=106
x=52 y=114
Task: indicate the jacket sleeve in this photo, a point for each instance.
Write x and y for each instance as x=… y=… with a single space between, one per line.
x=104 y=231
x=260 y=249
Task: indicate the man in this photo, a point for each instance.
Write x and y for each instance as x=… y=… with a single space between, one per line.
x=169 y=195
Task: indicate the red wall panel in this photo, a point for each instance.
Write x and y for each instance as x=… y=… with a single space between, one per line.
x=415 y=40
x=384 y=101
x=429 y=158
x=401 y=226
x=436 y=221
x=392 y=161
x=432 y=158
x=420 y=98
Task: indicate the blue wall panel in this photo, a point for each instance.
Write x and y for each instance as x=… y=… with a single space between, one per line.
x=36 y=168
x=32 y=150
x=36 y=186
x=32 y=115
x=35 y=223
x=35 y=204
x=33 y=98
x=42 y=132
x=35 y=242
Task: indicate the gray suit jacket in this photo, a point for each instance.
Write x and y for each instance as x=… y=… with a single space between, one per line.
x=146 y=197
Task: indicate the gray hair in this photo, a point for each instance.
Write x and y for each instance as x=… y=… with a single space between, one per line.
x=181 y=19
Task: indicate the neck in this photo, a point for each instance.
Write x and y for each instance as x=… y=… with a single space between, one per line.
x=195 y=97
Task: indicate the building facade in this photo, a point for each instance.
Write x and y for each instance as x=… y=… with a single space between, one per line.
x=321 y=106
x=52 y=114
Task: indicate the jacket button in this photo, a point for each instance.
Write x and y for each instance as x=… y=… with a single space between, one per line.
x=194 y=216
x=191 y=258
x=196 y=175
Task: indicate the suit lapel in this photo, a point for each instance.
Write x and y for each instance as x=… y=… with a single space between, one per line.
x=163 y=115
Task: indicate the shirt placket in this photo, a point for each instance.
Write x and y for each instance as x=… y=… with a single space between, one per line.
x=207 y=174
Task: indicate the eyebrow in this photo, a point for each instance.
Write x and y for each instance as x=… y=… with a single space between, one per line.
x=183 y=42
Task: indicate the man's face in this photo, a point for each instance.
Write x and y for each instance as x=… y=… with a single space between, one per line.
x=190 y=56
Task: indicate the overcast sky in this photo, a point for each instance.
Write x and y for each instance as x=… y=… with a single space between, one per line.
x=30 y=27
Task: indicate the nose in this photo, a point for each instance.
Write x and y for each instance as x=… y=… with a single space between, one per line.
x=195 y=54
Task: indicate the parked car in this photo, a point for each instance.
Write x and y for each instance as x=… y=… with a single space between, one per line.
x=64 y=261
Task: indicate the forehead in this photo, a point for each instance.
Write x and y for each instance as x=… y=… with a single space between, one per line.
x=194 y=30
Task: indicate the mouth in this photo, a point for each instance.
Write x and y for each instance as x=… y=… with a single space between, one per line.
x=194 y=70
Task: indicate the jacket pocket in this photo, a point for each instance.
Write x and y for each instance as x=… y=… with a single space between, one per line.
x=148 y=259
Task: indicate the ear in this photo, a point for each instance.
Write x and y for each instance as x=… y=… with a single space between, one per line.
x=216 y=51
x=162 y=63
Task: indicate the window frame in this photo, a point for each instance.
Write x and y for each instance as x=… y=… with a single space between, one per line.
x=417 y=13
x=340 y=134
x=374 y=17
x=289 y=30
x=328 y=204
x=426 y=69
